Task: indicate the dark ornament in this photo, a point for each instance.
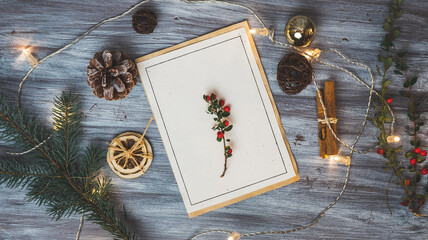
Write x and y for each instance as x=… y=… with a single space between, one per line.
x=294 y=73
x=111 y=75
x=144 y=21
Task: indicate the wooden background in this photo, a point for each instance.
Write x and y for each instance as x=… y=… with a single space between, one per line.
x=153 y=203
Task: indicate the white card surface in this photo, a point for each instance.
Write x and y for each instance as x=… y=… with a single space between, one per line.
x=224 y=62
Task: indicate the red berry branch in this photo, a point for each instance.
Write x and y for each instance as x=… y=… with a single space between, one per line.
x=216 y=107
x=415 y=154
x=409 y=180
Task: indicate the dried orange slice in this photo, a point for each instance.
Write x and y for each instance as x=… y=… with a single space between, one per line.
x=129 y=156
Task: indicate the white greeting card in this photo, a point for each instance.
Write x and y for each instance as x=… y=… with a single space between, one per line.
x=225 y=62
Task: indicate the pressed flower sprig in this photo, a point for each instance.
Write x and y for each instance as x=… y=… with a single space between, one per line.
x=407 y=180
x=217 y=107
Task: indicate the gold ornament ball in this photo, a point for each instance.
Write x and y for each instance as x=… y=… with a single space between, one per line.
x=300 y=31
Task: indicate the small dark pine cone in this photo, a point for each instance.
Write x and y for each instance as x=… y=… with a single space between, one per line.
x=294 y=73
x=144 y=21
x=111 y=75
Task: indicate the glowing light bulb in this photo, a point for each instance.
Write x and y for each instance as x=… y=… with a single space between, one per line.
x=312 y=54
x=298 y=35
x=30 y=58
x=234 y=236
x=393 y=139
x=343 y=159
x=260 y=31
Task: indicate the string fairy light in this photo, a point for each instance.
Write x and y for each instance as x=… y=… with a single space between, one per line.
x=30 y=57
x=259 y=31
x=234 y=236
x=343 y=159
x=393 y=139
x=312 y=55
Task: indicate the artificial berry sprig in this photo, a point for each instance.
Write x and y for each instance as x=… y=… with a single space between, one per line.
x=217 y=107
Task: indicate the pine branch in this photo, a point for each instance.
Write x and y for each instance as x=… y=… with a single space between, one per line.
x=21 y=173
x=67 y=181
x=67 y=118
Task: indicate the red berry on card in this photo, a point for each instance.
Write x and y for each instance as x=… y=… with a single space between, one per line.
x=221 y=102
x=230 y=151
x=417 y=150
x=389 y=100
x=423 y=153
x=226 y=123
x=208 y=98
x=220 y=134
x=227 y=109
x=413 y=162
x=424 y=171
x=380 y=151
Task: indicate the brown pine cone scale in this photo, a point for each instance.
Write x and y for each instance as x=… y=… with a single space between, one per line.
x=111 y=75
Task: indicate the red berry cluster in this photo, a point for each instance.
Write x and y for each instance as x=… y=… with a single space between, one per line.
x=217 y=107
x=417 y=156
x=405 y=203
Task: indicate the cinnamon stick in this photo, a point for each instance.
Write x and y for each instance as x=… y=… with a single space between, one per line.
x=330 y=104
x=327 y=141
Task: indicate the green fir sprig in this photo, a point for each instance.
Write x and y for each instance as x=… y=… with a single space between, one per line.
x=58 y=174
x=409 y=179
x=217 y=107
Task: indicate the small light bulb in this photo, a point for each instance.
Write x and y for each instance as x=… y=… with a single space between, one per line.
x=393 y=139
x=234 y=236
x=312 y=54
x=260 y=31
x=343 y=159
x=297 y=35
x=31 y=59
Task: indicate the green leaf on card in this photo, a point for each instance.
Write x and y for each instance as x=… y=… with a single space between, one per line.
x=228 y=128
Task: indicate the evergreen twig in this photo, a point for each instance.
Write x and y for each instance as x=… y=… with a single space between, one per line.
x=58 y=175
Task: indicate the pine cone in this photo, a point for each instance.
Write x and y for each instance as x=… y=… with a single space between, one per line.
x=111 y=75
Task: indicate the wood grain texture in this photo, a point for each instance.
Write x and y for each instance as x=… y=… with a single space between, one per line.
x=153 y=203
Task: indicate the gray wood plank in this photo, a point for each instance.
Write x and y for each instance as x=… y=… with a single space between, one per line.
x=153 y=202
